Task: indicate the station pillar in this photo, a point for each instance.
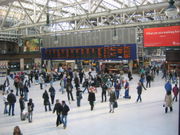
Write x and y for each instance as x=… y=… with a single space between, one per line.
x=21 y=64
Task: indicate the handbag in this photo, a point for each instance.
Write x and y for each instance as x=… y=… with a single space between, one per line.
x=115 y=105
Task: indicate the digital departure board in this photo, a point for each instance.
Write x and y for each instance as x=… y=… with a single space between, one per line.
x=106 y=52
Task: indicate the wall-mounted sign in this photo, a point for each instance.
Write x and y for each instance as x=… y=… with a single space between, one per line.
x=111 y=52
x=162 y=36
x=32 y=45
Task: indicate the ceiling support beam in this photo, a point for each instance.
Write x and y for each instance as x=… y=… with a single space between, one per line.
x=25 y=11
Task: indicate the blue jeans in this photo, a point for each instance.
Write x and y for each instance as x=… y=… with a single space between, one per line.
x=64 y=120
x=117 y=93
x=30 y=114
x=26 y=96
x=11 y=106
x=5 y=108
x=78 y=101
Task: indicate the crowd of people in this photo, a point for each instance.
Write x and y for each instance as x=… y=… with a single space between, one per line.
x=111 y=85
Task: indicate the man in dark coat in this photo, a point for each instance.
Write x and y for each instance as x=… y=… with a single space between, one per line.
x=46 y=100
x=139 y=91
x=22 y=105
x=11 y=100
x=58 y=108
x=65 y=110
x=69 y=89
x=52 y=93
x=148 y=81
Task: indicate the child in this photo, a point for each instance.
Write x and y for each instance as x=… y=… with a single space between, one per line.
x=30 y=109
x=175 y=91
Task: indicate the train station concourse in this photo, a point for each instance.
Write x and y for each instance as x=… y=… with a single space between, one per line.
x=89 y=67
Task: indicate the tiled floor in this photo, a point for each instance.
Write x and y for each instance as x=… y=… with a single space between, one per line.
x=130 y=118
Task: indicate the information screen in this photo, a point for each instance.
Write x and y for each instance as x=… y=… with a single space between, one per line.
x=111 y=52
x=162 y=36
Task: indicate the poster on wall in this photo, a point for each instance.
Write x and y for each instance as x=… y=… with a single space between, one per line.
x=32 y=45
x=162 y=36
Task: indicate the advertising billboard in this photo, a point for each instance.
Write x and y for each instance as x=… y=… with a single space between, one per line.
x=106 y=52
x=32 y=45
x=162 y=36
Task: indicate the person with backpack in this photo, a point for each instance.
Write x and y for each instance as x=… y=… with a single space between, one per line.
x=65 y=110
x=30 y=106
x=58 y=108
x=52 y=93
x=175 y=91
x=11 y=100
x=168 y=86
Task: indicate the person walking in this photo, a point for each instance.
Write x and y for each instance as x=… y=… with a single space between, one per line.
x=77 y=82
x=65 y=110
x=142 y=79
x=79 y=96
x=5 y=94
x=126 y=87
x=130 y=75
x=85 y=85
x=52 y=93
x=11 y=100
x=168 y=101
x=103 y=94
x=175 y=91
x=58 y=108
x=112 y=100
x=41 y=81
x=30 y=105
x=62 y=85
x=148 y=80
x=117 y=87
x=69 y=89
x=16 y=85
x=22 y=105
x=91 y=96
x=139 y=92
x=25 y=90
x=46 y=100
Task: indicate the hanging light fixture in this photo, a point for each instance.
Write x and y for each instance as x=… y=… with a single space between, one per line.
x=171 y=10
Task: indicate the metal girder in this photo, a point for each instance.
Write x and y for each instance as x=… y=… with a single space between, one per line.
x=25 y=11
x=4 y=19
x=99 y=2
x=107 y=27
x=106 y=19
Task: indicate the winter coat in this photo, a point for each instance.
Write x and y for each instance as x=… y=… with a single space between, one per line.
x=91 y=96
x=11 y=98
x=30 y=106
x=175 y=90
x=52 y=91
x=139 y=90
x=65 y=109
x=112 y=97
x=148 y=78
x=41 y=80
x=58 y=108
x=168 y=86
x=168 y=100
x=46 y=98
x=22 y=104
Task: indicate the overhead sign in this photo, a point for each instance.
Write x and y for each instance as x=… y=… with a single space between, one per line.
x=162 y=36
x=111 y=52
